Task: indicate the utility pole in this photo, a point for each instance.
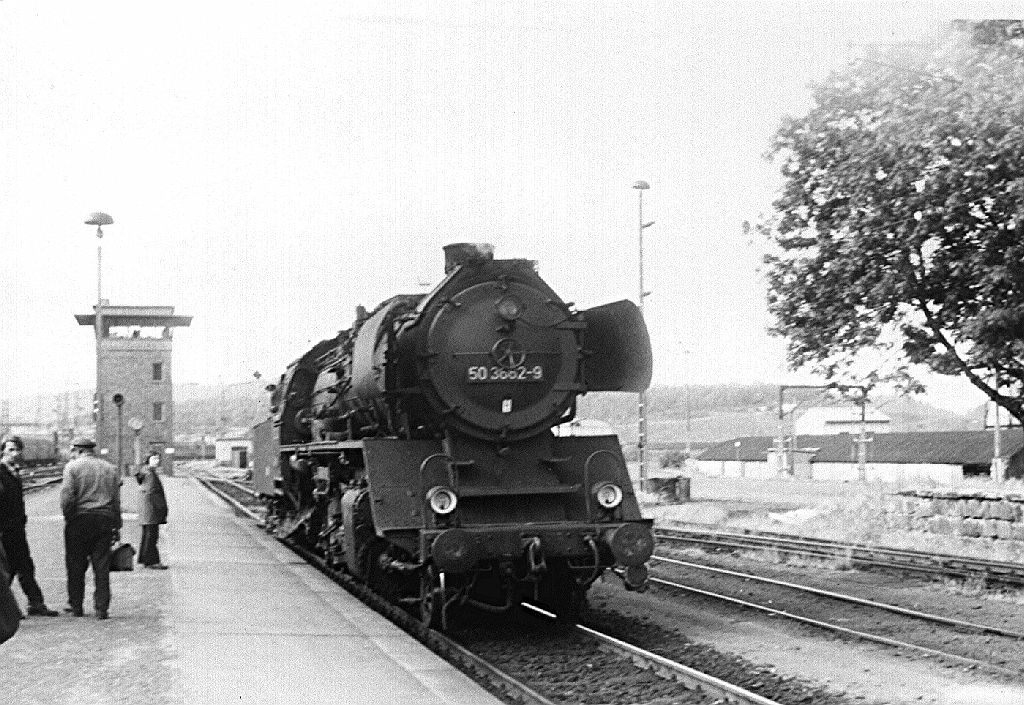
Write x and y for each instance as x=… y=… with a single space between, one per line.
x=862 y=443
x=641 y=443
x=998 y=469
x=862 y=439
x=689 y=409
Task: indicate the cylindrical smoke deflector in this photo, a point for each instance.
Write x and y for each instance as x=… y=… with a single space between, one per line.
x=461 y=252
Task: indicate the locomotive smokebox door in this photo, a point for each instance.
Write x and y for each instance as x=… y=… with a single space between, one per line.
x=619 y=349
x=499 y=353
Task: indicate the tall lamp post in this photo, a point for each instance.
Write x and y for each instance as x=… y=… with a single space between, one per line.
x=641 y=442
x=99 y=220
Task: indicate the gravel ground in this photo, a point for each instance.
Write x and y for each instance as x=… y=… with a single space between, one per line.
x=851 y=672
x=568 y=667
x=1002 y=651
x=846 y=512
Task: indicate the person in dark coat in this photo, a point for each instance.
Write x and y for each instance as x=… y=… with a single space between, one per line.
x=10 y=612
x=152 y=513
x=12 y=527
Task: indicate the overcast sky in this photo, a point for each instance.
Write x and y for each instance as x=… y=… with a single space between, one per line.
x=269 y=166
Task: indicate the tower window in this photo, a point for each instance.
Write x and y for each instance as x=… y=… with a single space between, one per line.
x=158 y=411
x=158 y=371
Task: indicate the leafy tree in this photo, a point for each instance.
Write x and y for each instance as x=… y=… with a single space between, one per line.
x=899 y=233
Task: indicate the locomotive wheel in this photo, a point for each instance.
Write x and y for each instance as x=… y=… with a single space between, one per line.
x=432 y=599
x=373 y=574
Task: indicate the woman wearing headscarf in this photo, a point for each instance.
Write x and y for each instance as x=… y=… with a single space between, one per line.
x=152 y=513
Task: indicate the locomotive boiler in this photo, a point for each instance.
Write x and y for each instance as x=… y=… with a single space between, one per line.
x=416 y=449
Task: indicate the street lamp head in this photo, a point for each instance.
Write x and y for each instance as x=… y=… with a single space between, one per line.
x=99 y=219
x=642 y=185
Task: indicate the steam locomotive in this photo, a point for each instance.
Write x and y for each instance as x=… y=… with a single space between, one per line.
x=416 y=449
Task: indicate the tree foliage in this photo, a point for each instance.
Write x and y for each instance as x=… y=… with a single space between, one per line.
x=899 y=232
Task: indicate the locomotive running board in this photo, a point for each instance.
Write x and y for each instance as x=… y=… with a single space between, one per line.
x=517 y=491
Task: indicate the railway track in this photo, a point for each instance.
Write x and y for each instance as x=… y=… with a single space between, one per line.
x=851 y=554
x=36 y=478
x=927 y=634
x=575 y=664
x=504 y=659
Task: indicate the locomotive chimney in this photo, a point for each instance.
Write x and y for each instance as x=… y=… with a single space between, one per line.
x=460 y=253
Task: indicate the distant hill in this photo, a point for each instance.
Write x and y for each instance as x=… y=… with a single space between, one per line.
x=909 y=414
x=721 y=412
x=717 y=412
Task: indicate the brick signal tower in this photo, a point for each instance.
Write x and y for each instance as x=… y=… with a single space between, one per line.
x=133 y=379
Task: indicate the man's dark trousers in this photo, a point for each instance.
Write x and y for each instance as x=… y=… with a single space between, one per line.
x=87 y=539
x=16 y=547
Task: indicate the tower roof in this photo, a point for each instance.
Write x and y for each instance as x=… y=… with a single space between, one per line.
x=135 y=316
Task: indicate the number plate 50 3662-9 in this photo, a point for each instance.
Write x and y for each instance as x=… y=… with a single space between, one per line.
x=493 y=373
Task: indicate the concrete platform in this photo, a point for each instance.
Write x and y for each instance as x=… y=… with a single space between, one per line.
x=236 y=619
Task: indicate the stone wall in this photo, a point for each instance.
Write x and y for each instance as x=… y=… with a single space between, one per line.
x=970 y=514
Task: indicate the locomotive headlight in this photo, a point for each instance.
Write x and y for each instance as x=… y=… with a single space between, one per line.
x=608 y=495
x=442 y=500
x=509 y=308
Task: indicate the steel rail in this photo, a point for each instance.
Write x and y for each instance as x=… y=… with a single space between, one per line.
x=677 y=671
x=237 y=485
x=828 y=626
x=41 y=484
x=238 y=506
x=42 y=476
x=779 y=539
x=899 y=559
x=811 y=551
x=667 y=668
x=896 y=609
x=434 y=640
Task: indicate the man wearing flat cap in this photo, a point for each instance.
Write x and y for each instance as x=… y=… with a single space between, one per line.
x=90 y=497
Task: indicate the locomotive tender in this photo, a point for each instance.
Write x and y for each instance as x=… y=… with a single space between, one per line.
x=416 y=449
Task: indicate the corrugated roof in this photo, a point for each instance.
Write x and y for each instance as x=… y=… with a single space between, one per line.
x=940 y=447
x=745 y=448
x=842 y=414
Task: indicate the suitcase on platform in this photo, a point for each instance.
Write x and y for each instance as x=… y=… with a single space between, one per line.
x=122 y=556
